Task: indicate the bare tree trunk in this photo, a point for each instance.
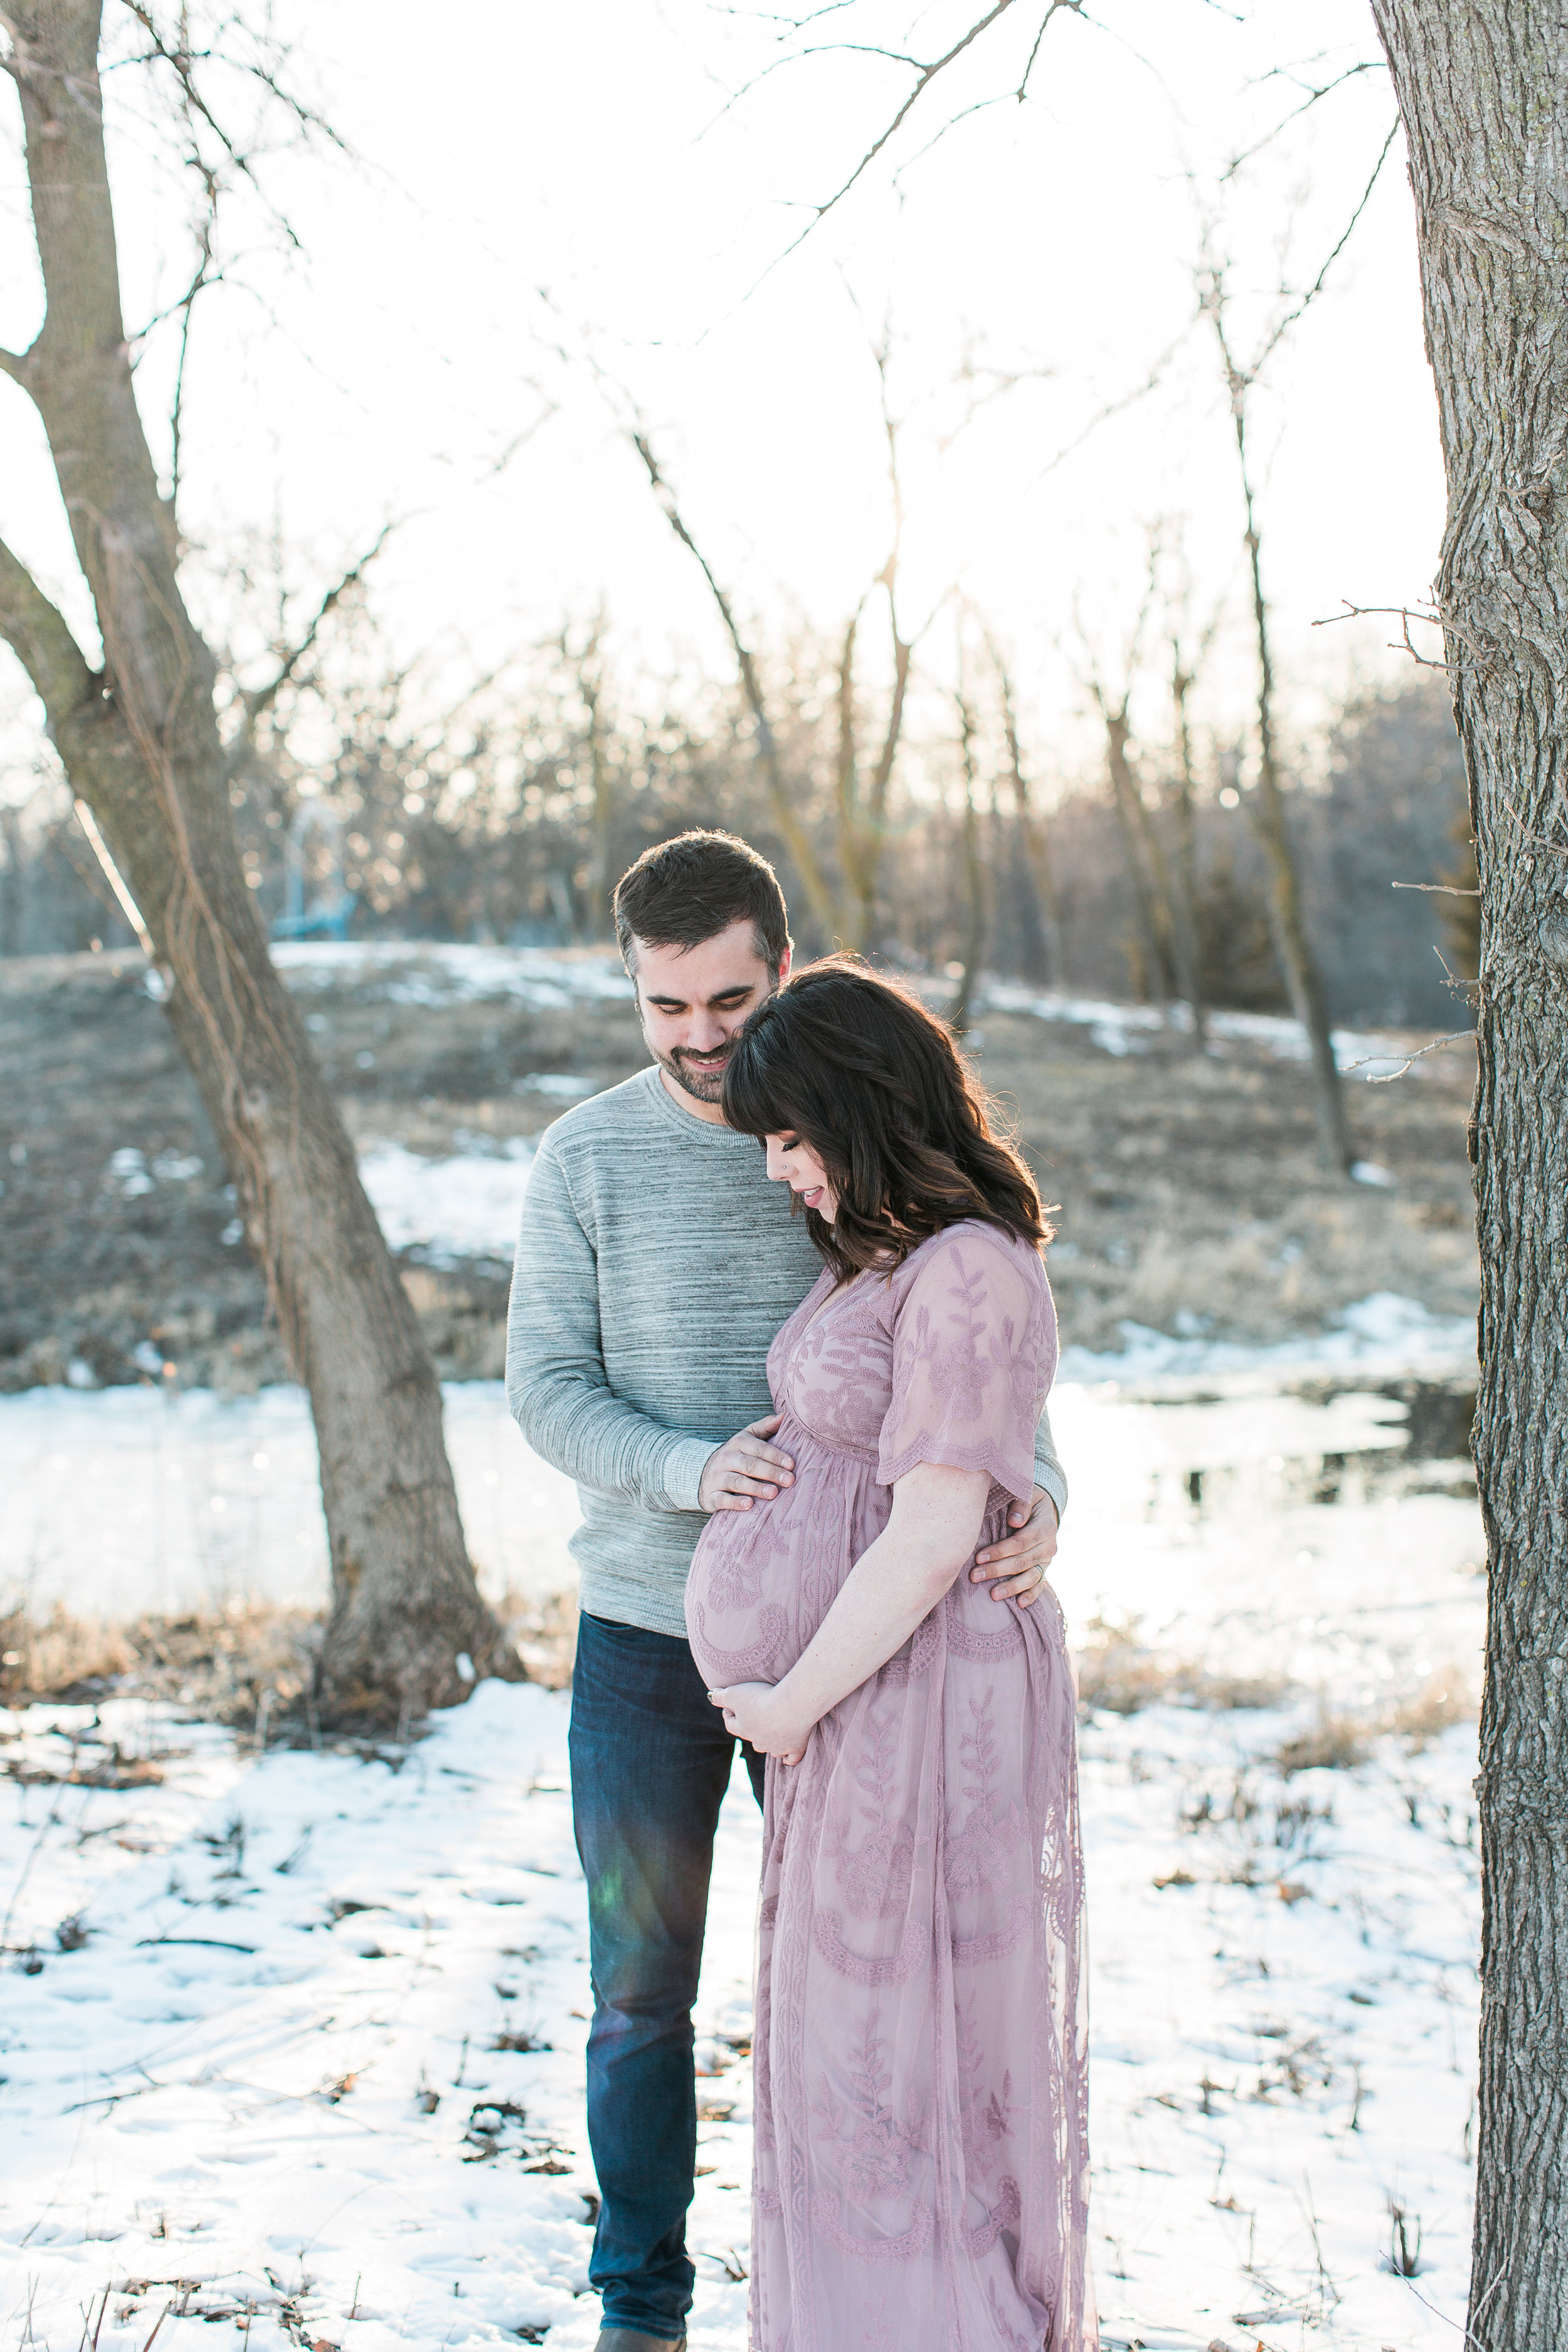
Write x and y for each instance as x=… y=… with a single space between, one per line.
x=1185 y=895
x=140 y=745
x=814 y=883
x=873 y=810
x=1154 y=917
x=1483 y=90
x=1267 y=804
x=591 y=686
x=1044 y=916
x=1286 y=919
x=1186 y=885
x=11 y=882
x=973 y=879
x=858 y=852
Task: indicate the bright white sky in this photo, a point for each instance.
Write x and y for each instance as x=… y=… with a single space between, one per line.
x=510 y=152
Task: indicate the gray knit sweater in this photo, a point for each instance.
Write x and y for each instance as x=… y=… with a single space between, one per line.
x=655 y=1264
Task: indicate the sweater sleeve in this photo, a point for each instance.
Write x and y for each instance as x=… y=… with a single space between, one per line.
x=1048 y=1471
x=555 y=1379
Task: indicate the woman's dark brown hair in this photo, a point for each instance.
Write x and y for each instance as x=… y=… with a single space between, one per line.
x=856 y=1066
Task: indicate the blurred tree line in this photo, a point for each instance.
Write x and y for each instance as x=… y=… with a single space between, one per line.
x=508 y=816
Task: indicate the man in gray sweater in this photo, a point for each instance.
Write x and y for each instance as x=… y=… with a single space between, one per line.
x=655 y=1264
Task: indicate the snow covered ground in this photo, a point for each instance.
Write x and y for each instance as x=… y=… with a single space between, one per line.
x=440 y=972
x=309 y=2060
x=427 y=971
x=466 y=1204
x=295 y=2040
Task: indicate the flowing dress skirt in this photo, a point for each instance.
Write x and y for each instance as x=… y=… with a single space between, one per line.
x=921 y=2145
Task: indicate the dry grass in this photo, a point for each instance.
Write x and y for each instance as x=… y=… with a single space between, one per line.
x=1341 y=1739
x=1332 y=1744
x=252 y=1668
x=218 y=1665
x=545 y=1635
x=1118 y=1673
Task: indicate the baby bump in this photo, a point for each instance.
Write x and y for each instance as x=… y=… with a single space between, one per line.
x=763 y=1581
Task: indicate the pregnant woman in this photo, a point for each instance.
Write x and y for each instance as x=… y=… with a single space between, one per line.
x=921 y=2159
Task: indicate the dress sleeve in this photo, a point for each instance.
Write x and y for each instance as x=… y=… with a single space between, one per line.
x=973 y=1349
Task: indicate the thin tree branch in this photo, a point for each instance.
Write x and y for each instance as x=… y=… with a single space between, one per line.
x=256 y=701
x=924 y=77
x=1284 y=326
x=1368 y=65
x=1124 y=400
x=12 y=364
x=1389 y=1076
x=1439 y=889
x=785 y=812
x=1433 y=617
x=182 y=63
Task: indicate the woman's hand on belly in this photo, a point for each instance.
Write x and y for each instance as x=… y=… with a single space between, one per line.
x=754 y=1711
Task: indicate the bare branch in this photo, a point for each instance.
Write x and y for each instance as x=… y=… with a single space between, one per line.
x=1284 y=326
x=1123 y=401
x=12 y=364
x=1432 y=616
x=1438 y=889
x=1389 y=1076
x=785 y=812
x=258 y=699
x=924 y=77
x=1367 y=65
x=40 y=636
x=183 y=61
x=520 y=440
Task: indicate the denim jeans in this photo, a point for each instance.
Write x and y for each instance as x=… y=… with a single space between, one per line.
x=650 y=1763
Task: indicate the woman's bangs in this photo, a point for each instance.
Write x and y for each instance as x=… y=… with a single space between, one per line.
x=749 y=1096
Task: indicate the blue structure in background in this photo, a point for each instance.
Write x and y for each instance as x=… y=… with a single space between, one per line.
x=326 y=917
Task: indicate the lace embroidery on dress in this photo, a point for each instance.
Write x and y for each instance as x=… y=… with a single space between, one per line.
x=921 y=2088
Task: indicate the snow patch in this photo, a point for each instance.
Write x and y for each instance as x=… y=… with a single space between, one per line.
x=1384 y=1334
x=1118 y=1028
x=442 y=971
x=465 y=1206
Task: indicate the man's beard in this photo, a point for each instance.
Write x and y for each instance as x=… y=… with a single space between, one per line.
x=702 y=1086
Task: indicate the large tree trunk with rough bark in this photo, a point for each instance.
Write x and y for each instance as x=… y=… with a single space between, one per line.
x=1483 y=90
x=141 y=747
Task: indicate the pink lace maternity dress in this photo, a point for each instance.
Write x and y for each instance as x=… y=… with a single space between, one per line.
x=921 y=2100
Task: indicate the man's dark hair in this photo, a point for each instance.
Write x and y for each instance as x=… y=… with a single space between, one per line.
x=687 y=890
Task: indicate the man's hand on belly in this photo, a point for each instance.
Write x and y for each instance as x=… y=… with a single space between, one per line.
x=745 y=1469
x=1016 y=1569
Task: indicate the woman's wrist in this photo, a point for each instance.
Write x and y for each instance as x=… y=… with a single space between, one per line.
x=789 y=1713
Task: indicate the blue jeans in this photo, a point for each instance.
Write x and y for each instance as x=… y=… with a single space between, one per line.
x=650 y=1763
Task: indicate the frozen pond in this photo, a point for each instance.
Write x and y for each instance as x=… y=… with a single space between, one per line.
x=1317 y=1534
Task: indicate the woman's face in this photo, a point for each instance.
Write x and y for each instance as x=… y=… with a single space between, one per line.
x=794 y=1162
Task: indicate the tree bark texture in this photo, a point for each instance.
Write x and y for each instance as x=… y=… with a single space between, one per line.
x=1482 y=86
x=140 y=744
